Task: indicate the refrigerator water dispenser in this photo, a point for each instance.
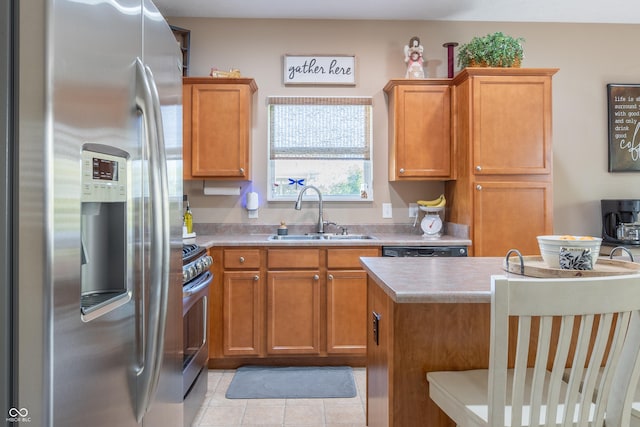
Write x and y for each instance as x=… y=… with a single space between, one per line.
x=104 y=231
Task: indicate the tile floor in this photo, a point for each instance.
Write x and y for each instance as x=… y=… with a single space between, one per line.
x=220 y=411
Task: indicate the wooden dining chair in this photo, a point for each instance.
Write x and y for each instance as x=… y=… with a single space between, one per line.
x=596 y=332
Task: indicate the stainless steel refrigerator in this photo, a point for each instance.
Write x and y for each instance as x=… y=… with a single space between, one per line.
x=91 y=221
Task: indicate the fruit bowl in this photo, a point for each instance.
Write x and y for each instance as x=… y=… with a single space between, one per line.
x=573 y=251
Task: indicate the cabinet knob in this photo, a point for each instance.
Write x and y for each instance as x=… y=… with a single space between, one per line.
x=241 y=260
x=331 y=277
x=242 y=171
x=478 y=187
x=401 y=170
x=479 y=168
x=256 y=278
x=316 y=277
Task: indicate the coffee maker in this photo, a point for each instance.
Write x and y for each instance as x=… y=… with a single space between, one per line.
x=620 y=224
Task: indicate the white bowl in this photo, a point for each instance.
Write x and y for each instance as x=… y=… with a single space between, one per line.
x=550 y=247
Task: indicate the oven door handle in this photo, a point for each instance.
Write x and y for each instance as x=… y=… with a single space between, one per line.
x=192 y=295
x=200 y=286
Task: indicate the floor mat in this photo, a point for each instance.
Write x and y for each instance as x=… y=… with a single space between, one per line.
x=292 y=382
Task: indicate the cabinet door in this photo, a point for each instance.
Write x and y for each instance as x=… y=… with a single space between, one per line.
x=511 y=125
x=510 y=215
x=220 y=126
x=422 y=133
x=293 y=312
x=347 y=311
x=243 y=311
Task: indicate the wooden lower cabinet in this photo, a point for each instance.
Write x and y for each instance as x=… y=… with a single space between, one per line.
x=346 y=314
x=346 y=300
x=243 y=313
x=293 y=312
x=293 y=305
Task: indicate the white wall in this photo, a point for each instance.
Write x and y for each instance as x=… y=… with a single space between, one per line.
x=588 y=55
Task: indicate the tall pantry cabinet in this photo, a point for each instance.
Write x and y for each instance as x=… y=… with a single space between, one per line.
x=503 y=186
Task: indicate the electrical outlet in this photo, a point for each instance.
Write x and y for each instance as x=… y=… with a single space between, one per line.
x=387 y=210
x=413 y=210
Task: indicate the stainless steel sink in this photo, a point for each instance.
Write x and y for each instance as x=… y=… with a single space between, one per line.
x=348 y=237
x=321 y=237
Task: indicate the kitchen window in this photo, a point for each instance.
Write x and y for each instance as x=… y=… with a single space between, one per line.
x=320 y=141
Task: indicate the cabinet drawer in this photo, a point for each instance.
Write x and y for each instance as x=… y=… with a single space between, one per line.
x=293 y=258
x=242 y=258
x=348 y=258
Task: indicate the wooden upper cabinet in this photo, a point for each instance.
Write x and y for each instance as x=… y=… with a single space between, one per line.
x=217 y=127
x=511 y=124
x=420 y=145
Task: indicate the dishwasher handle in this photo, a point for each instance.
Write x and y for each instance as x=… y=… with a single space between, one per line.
x=424 y=251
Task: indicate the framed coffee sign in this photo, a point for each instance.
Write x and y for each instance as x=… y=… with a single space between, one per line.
x=624 y=127
x=319 y=69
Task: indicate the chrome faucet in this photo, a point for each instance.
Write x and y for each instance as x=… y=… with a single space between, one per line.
x=298 y=205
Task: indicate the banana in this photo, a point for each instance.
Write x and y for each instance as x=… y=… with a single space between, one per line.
x=438 y=202
x=431 y=202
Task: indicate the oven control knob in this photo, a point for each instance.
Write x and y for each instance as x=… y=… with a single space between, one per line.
x=192 y=272
x=204 y=263
x=200 y=266
x=185 y=275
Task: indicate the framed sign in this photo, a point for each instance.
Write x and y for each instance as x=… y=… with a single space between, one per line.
x=319 y=69
x=624 y=127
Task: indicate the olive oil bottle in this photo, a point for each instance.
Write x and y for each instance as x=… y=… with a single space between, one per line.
x=188 y=219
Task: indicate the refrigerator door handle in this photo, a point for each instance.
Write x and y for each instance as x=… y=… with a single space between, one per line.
x=164 y=259
x=147 y=102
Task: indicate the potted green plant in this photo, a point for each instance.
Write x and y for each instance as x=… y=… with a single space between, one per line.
x=492 y=50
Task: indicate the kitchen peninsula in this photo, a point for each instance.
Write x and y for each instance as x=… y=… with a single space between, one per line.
x=425 y=314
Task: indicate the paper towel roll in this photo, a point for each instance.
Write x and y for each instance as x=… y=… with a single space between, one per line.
x=252 y=201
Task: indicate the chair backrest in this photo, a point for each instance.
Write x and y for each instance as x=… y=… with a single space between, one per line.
x=596 y=331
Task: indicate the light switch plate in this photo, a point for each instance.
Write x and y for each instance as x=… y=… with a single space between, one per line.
x=387 y=210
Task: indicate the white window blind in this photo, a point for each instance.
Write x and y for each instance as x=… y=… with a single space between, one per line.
x=322 y=128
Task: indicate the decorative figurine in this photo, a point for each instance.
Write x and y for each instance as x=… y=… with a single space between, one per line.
x=413 y=58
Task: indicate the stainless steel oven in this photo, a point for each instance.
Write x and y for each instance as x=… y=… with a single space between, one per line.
x=196 y=279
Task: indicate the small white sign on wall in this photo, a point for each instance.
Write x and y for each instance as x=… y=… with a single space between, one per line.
x=320 y=69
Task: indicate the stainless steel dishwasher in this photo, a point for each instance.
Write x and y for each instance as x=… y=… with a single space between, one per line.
x=424 y=251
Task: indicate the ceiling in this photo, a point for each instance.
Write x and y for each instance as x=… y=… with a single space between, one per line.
x=579 y=11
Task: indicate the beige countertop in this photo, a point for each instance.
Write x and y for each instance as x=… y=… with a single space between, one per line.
x=435 y=280
x=380 y=239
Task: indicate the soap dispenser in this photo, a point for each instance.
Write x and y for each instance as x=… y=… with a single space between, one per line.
x=283 y=230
